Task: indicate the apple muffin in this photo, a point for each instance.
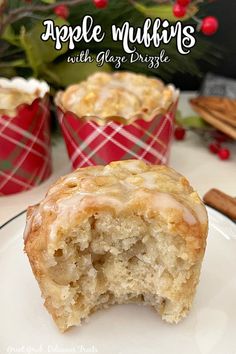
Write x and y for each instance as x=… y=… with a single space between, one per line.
x=117 y=95
x=121 y=233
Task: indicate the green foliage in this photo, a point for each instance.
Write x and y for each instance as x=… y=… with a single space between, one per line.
x=163 y=11
x=41 y=58
x=10 y=36
x=190 y=121
x=64 y=74
x=39 y=52
x=49 y=1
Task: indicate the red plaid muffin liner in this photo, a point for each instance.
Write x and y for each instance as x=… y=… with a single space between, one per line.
x=89 y=143
x=25 y=156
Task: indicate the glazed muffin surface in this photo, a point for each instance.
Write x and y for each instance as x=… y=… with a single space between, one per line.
x=11 y=98
x=120 y=94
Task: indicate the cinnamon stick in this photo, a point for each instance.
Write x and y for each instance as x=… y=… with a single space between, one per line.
x=222 y=126
x=221 y=108
x=224 y=117
x=222 y=202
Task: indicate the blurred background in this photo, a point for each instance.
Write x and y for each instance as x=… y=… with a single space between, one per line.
x=224 y=42
x=23 y=53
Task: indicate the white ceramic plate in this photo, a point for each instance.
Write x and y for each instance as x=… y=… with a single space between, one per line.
x=210 y=328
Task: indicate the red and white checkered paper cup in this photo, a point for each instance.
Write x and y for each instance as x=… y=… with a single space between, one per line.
x=25 y=156
x=89 y=143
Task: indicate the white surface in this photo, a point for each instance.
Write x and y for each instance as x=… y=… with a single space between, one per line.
x=189 y=157
x=26 y=327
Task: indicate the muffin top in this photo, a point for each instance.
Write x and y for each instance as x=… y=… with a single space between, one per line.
x=122 y=187
x=17 y=91
x=11 y=98
x=119 y=94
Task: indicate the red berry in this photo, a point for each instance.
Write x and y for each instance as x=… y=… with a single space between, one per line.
x=214 y=147
x=62 y=11
x=220 y=137
x=179 y=133
x=183 y=2
x=179 y=10
x=209 y=25
x=224 y=154
x=100 y=4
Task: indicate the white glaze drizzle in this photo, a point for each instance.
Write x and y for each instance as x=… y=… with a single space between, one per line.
x=128 y=188
x=149 y=180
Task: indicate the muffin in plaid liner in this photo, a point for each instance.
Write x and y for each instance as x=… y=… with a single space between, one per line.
x=25 y=157
x=117 y=116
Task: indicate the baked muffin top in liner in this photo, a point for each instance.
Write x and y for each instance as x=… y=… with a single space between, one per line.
x=17 y=91
x=119 y=96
